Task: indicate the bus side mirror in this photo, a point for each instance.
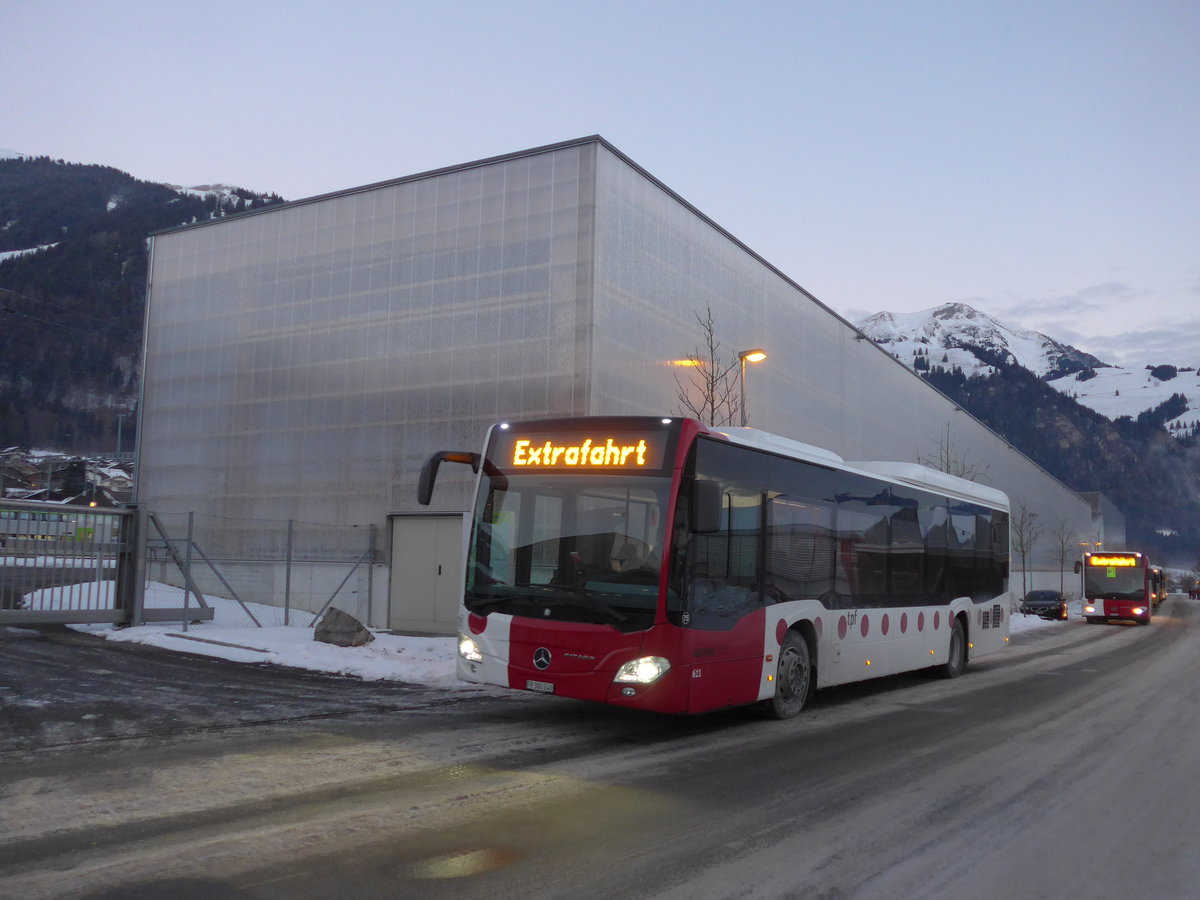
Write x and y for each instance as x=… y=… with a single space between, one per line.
x=1078 y=567
x=430 y=469
x=708 y=502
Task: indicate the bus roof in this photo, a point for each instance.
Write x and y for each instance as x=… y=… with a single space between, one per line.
x=762 y=440
x=912 y=474
x=934 y=480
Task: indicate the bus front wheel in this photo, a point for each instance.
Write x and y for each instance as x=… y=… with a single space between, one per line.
x=956 y=661
x=793 y=678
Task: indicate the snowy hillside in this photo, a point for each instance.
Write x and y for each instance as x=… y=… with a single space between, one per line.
x=957 y=335
x=1118 y=392
x=221 y=192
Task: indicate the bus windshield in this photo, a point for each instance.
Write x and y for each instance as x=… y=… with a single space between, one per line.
x=568 y=548
x=1114 y=583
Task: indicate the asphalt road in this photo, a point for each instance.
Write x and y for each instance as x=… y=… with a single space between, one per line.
x=61 y=689
x=1064 y=768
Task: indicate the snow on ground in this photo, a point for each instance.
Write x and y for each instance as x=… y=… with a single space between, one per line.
x=57 y=561
x=392 y=657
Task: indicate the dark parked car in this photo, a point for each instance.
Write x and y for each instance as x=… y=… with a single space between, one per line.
x=1047 y=604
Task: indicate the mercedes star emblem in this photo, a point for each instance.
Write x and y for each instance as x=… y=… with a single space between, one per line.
x=541 y=658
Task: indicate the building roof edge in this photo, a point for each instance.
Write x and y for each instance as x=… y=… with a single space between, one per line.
x=430 y=173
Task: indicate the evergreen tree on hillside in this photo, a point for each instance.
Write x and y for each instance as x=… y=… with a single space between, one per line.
x=1153 y=478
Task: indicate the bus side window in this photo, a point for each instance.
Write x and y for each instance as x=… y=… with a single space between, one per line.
x=800 y=549
x=731 y=554
x=714 y=575
x=960 y=550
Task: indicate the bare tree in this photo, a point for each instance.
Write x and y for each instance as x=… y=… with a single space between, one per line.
x=710 y=391
x=1066 y=545
x=946 y=458
x=1026 y=532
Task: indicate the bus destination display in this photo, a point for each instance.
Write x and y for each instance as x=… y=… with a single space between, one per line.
x=1110 y=561
x=578 y=452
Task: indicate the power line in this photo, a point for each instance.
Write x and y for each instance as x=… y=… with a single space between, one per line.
x=74 y=314
x=42 y=302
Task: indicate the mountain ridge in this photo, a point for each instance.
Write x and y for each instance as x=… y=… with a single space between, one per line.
x=958 y=336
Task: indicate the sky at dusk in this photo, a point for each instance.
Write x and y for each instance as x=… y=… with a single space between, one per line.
x=1037 y=160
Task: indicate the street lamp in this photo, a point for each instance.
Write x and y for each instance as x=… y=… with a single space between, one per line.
x=745 y=356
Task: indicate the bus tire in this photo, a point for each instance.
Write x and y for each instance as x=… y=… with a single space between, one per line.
x=956 y=659
x=793 y=678
x=1092 y=620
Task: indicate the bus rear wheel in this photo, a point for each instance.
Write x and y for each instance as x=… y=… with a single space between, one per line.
x=793 y=678
x=956 y=660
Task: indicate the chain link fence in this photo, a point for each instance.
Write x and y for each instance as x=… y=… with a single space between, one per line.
x=279 y=572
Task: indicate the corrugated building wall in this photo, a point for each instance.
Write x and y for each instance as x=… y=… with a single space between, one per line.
x=302 y=361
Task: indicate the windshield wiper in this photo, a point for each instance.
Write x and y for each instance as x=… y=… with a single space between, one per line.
x=475 y=603
x=530 y=593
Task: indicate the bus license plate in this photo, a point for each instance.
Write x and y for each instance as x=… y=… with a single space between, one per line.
x=544 y=687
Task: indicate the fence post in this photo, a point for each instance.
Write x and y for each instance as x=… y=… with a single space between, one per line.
x=131 y=571
x=287 y=577
x=187 y=564
x=372 y=548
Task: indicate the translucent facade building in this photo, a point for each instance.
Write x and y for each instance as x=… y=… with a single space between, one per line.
x=303 y=360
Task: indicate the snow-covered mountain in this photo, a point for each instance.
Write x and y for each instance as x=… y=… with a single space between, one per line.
x=959 y=331
x=957 y=335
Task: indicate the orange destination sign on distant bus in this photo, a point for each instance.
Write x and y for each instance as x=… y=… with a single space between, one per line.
x=1112 y=560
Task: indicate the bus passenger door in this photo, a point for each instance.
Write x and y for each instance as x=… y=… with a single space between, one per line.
x=723 y=614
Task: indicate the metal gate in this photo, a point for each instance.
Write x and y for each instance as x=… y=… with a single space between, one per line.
x=76 y=564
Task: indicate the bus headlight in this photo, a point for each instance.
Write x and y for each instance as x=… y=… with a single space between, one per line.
x=646 y=670
x=1089 y=608
x=1138 y=610
x=468 y=649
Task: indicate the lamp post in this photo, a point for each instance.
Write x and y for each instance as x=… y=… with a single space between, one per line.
x=745 y=356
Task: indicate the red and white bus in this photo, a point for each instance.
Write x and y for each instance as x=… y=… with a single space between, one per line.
x=1121 y=586
x=664 y=565
x=1158 y=586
